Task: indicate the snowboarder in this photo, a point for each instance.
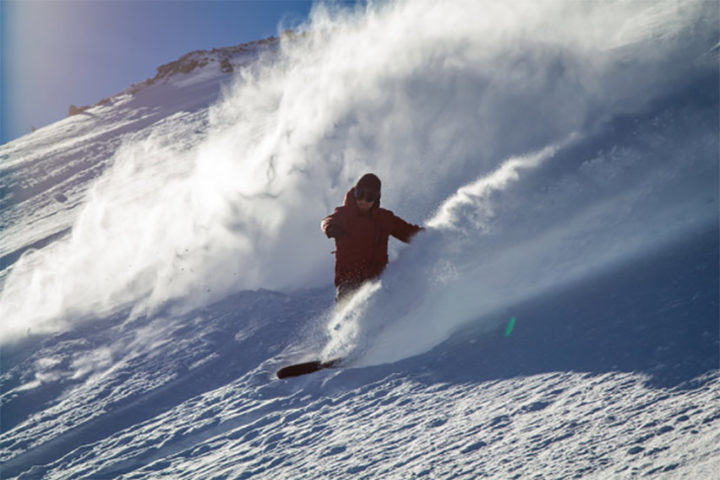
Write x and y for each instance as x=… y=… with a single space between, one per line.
x=361 y=230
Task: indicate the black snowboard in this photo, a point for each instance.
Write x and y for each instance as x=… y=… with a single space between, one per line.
x=305 y=368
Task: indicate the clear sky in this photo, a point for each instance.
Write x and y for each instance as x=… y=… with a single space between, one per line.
x=55 y=53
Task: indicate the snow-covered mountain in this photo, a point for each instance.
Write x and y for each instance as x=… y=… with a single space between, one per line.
x=160 y=255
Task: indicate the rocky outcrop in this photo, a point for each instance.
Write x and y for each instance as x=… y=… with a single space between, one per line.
x=225 y=59
x=185 y=64
x=73 y=110
x=226 y=66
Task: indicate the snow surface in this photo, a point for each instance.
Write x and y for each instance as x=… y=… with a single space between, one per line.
x=160 y=255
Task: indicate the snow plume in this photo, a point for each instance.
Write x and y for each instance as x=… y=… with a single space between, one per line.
x=520 y=232
x=474 y=196
x=446 y=102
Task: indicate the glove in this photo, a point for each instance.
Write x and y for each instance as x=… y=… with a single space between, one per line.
x=335 y=231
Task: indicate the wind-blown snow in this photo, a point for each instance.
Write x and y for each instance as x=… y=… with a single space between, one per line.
x=431 y=98
x=161 y=254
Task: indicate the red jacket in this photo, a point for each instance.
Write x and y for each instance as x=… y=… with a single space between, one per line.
x=362 y=253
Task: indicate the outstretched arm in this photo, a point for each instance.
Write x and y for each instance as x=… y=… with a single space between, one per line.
x=403 y=230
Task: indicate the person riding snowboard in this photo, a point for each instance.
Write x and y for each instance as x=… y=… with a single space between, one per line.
x=361 y=230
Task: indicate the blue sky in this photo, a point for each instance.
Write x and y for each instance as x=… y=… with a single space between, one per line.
x=61 y=52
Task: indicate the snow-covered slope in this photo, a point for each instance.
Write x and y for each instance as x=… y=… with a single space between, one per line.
x=51 y=170
x=160 y=255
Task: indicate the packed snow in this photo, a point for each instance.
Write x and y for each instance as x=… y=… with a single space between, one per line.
x=161 y=257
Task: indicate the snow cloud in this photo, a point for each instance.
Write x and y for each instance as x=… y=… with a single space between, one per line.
x=479 y=116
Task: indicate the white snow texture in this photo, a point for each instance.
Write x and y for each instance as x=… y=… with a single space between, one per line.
x=161 y=255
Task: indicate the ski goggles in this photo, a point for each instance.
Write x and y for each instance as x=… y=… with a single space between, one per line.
x=367 y=195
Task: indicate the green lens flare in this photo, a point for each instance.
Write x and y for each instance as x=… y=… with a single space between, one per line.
x=510 y=326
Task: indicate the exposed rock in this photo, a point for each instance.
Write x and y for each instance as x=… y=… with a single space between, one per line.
x=226 y=66
x=104 y=101
x=185 y=64
x=224 y=57
x=73 y=110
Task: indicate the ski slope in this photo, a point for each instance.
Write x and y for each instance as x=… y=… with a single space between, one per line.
x=160 y=255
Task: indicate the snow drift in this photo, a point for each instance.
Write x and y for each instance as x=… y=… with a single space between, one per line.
x=484 y=120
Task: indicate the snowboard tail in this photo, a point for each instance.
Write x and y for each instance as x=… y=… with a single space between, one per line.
x=305 y=368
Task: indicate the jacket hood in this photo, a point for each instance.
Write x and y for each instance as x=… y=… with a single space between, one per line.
x=350 y=201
